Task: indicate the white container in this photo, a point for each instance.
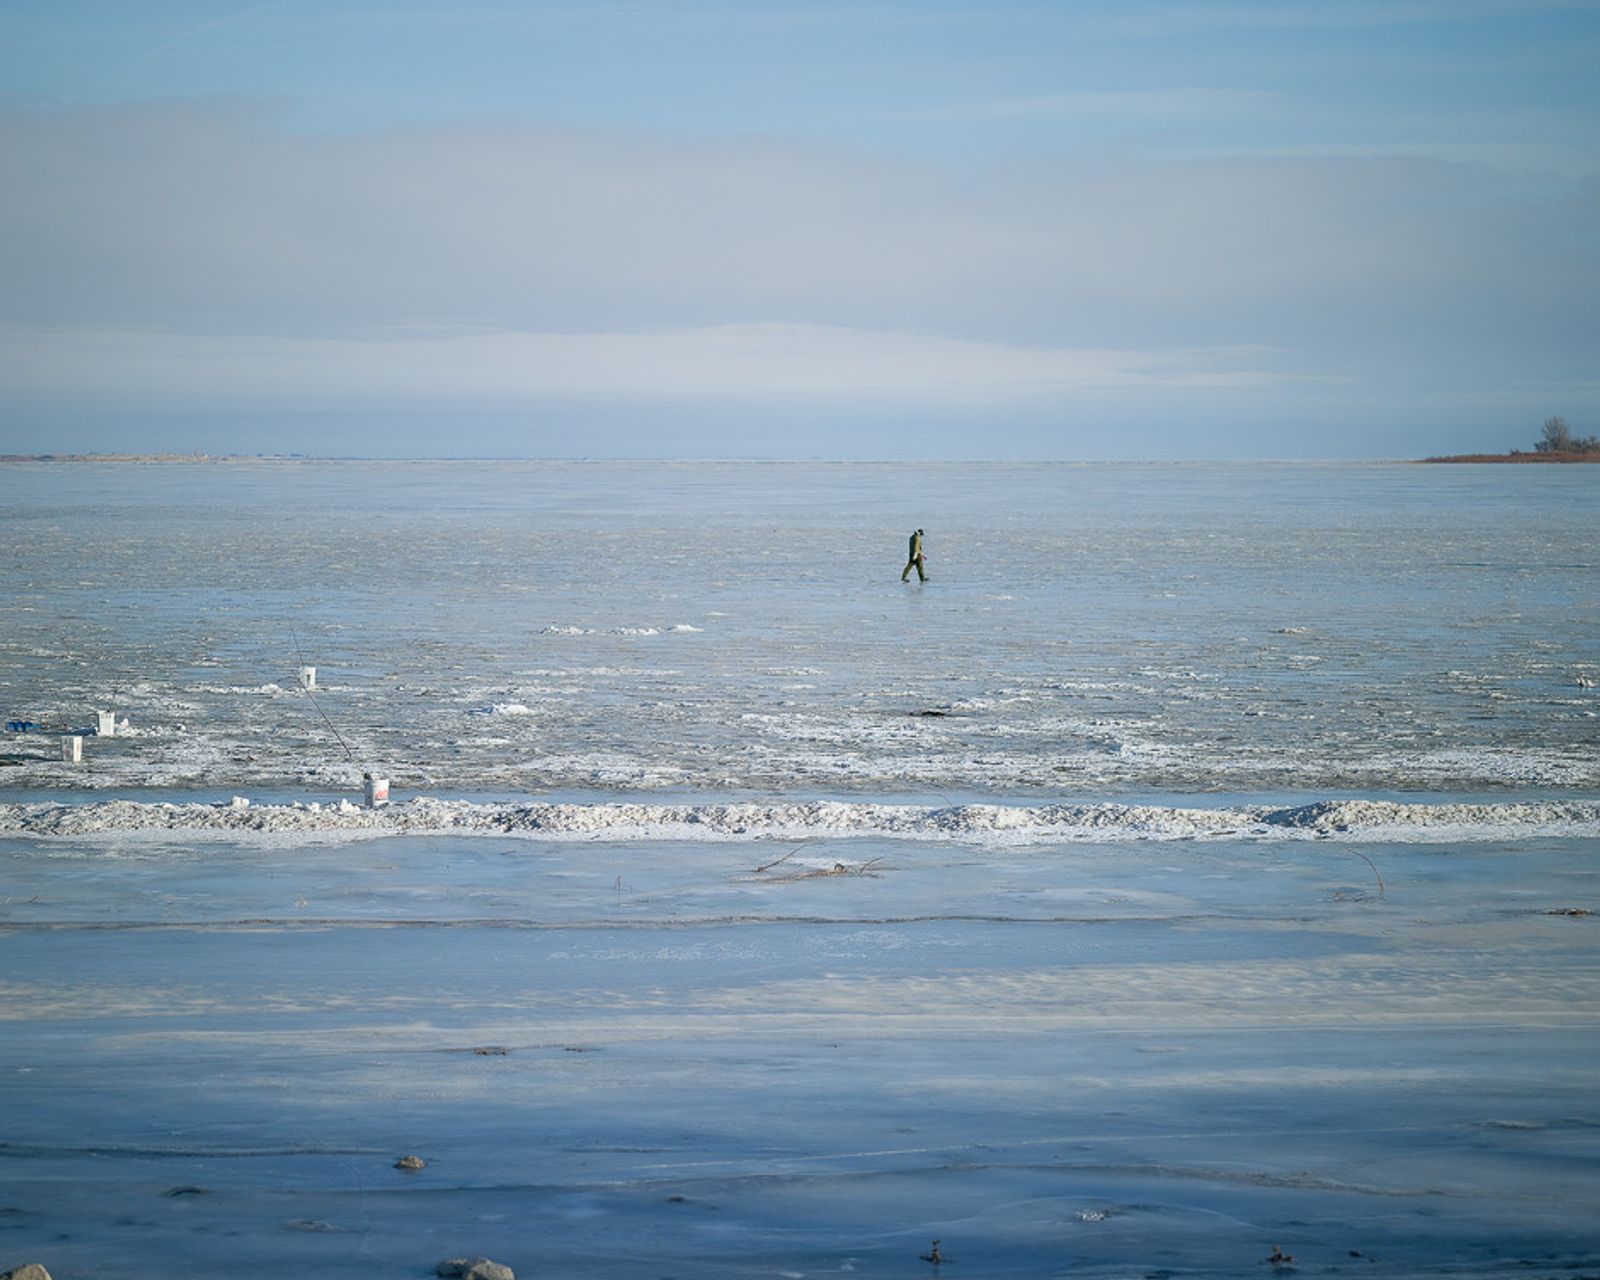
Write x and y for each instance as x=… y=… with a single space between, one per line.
x=105 y=723
x=376 y=791
x=71 y=748
x=308 y=677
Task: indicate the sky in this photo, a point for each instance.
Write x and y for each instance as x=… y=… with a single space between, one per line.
x=774 y=228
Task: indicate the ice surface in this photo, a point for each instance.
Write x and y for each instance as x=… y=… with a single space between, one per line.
x=688 y=1058
x=1325 y=629
x=1203 y=862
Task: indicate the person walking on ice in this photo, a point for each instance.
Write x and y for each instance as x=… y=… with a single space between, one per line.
x=915 y=561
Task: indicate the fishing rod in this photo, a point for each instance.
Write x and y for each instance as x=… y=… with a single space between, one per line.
x=306 y=688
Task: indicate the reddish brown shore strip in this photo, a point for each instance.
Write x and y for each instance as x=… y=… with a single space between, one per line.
x=1591 y=456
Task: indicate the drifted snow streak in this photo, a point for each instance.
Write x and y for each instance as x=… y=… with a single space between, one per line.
x=972 y=823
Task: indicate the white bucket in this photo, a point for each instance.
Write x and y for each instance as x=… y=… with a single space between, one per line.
x=308 y=677
x=377 y=791
x=105 y=723
x=71 y=748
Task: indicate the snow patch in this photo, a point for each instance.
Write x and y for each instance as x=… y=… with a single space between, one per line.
x=987 y=824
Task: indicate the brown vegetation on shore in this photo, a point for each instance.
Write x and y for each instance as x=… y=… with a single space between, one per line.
x=1556 y=443
x=1517 y=457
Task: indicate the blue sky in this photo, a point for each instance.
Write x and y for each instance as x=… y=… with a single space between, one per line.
x=781 y=229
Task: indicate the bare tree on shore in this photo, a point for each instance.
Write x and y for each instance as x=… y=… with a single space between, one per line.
x=1557 y=437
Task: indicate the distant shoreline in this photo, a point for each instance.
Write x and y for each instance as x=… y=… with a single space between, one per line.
x=236 y=458
x=1590 y=456
x=154 y=457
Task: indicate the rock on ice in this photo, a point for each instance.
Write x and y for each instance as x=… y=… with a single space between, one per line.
x=476 y=1269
